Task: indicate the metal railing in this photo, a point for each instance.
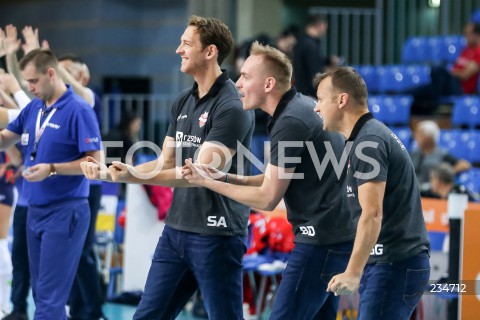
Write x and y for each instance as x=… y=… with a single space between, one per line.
x=154 y=109
x=376 y=35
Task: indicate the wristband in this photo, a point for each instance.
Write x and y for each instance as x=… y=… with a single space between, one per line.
x=53 y=171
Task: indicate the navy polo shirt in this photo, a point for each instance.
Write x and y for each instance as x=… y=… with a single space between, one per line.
x=72 y=131
x=378 y=155
x=218 y=117
x=313 y=200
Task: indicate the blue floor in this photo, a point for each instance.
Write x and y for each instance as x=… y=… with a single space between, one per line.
x=112 y=311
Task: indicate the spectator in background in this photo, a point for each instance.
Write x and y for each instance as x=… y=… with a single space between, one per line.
x=20 y=274
x=308 y=54
x=442 y=182
x=287 y=40
x=461 y=79
x=429 y=154
x=11 y=157
x=86 y=296
x=127 y=132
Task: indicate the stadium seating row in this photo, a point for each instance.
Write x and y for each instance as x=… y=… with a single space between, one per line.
x=393 y=78
x=433 y=50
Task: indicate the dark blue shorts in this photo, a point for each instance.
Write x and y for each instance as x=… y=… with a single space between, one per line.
x=6 y=194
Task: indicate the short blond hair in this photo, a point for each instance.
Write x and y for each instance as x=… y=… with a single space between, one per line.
x=277 y=63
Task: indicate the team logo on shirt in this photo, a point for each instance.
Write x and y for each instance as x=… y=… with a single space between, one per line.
x=90 y=140
x=398 y=140
x=53 y=125
x=187 y=140
x=178 y=139
x=203 y=119
x=350 y=193
x=180 y=117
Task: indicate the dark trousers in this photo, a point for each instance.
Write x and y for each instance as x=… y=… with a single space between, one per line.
x=426 y=97
x=86 y=296
x=55 y=235
x=184 y=262
x=21 y=272
x=303 y=291
x=392 y=290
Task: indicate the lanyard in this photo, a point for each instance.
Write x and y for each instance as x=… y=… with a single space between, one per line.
x=39 y=130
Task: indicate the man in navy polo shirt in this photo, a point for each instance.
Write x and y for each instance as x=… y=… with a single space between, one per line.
x=86 y=297
x=391 y=246
x=302 y=171
x=58 y=129
x=203 y=242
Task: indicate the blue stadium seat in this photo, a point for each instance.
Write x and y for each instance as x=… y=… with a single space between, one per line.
x=414 y=50
x=453 y=45
x=404 y=134
x=466 y=112
x=391 y=78
x=473 y=146
x=391 y=110
x=416 y=75
x=436 y=240
x=376 y=107
x=434 y=52
x=471 y=180
x=369 y=74
x=456 y=142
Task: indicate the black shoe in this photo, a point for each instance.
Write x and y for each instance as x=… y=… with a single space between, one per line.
x=16 y=316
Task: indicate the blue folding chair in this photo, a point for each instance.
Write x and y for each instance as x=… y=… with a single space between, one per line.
x=416 y=75
x=414 y=50
x=369 y=74
x=452 y=47
x=377 y=108
x=434 y=50
x=466 y=112
x=473 y=146
x=456 y=142
x=471 y=180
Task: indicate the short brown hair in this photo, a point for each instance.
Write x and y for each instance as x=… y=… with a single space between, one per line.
x=42 y=59
x=213 y=31
x=277 y=63
x=346 y=79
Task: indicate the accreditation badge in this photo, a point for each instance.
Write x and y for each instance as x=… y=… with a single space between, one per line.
x=24 y=140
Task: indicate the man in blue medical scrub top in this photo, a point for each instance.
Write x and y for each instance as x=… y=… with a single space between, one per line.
x=59 y=130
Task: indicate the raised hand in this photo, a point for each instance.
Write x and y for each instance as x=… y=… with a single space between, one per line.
x=31 y=39
x=2 y=46
x=11 y=43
